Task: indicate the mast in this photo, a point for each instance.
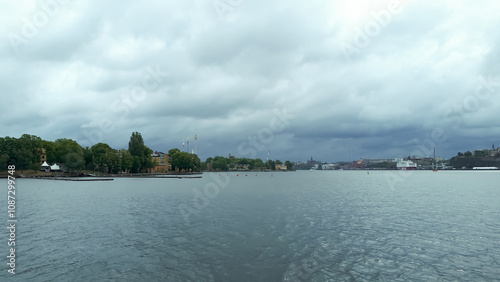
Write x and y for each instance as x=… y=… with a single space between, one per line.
x=434 y=165
x=195 y=144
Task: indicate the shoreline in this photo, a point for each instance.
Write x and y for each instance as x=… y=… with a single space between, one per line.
x=52 y=175
x=88 y=175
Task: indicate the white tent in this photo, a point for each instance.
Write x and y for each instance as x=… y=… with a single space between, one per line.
x=45 y=167
x=55 y=167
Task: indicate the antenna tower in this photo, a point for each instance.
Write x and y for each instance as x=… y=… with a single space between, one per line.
x=195 y=144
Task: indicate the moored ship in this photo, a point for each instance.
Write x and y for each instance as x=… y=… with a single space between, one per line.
x=406 y=165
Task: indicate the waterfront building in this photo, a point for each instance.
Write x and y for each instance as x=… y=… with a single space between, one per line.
x=43 y=155
x=162 y=162
x=280 y=167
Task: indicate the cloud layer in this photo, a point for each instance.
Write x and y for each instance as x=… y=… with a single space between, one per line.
x=367 y=79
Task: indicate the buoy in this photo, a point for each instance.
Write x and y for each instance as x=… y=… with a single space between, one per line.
x=246 y=174
x=237 y=175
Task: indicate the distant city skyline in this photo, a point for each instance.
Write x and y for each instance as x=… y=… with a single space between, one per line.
x=337 y=80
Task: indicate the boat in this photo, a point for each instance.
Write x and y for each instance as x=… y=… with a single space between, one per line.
x=485 y=168
x=312 y=169
x=406 y=165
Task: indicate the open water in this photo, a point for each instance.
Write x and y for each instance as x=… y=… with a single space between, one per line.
x=291 y=226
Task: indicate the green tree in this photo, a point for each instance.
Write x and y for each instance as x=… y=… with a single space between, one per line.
x=246 y=161
x=220 y=163
x=136 y=164
x=258 y=164
x=125 y=160
x=460 y=154
x=486 y=153
x=22 y=158
x=114 y=164
x=4 y=161
x=69 y=153
x=9 y=149
x=171 y=152
x=5 y=152
x=136 y=145
x=232 y=162
x=289 y=165
x=468 y=154
x=105 y=158
x=271 y=165
x=101 y=156
x=147 y=159
x=204 y=165
x=196 y=162
x=23 y=152
x=141 y=155
x=30 y=145
x=186 y=161
x=87 y=156
x=50 y=150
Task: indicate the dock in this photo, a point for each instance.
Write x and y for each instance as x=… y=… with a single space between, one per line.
x=177 y=176
x=75 y=179
x=113 y=176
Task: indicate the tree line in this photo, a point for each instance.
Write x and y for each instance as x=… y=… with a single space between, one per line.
x=478 y=158
x=25 y=153
x=232 y=163
x=184 y=160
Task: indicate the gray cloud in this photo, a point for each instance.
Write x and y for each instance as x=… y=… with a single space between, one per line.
x=77 y=76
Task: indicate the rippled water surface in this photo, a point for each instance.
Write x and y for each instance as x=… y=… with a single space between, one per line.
x=293 y=226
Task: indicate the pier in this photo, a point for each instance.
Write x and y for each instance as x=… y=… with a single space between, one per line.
x=74 y=178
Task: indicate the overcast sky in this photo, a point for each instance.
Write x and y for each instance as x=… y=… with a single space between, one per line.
x=335 y=80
